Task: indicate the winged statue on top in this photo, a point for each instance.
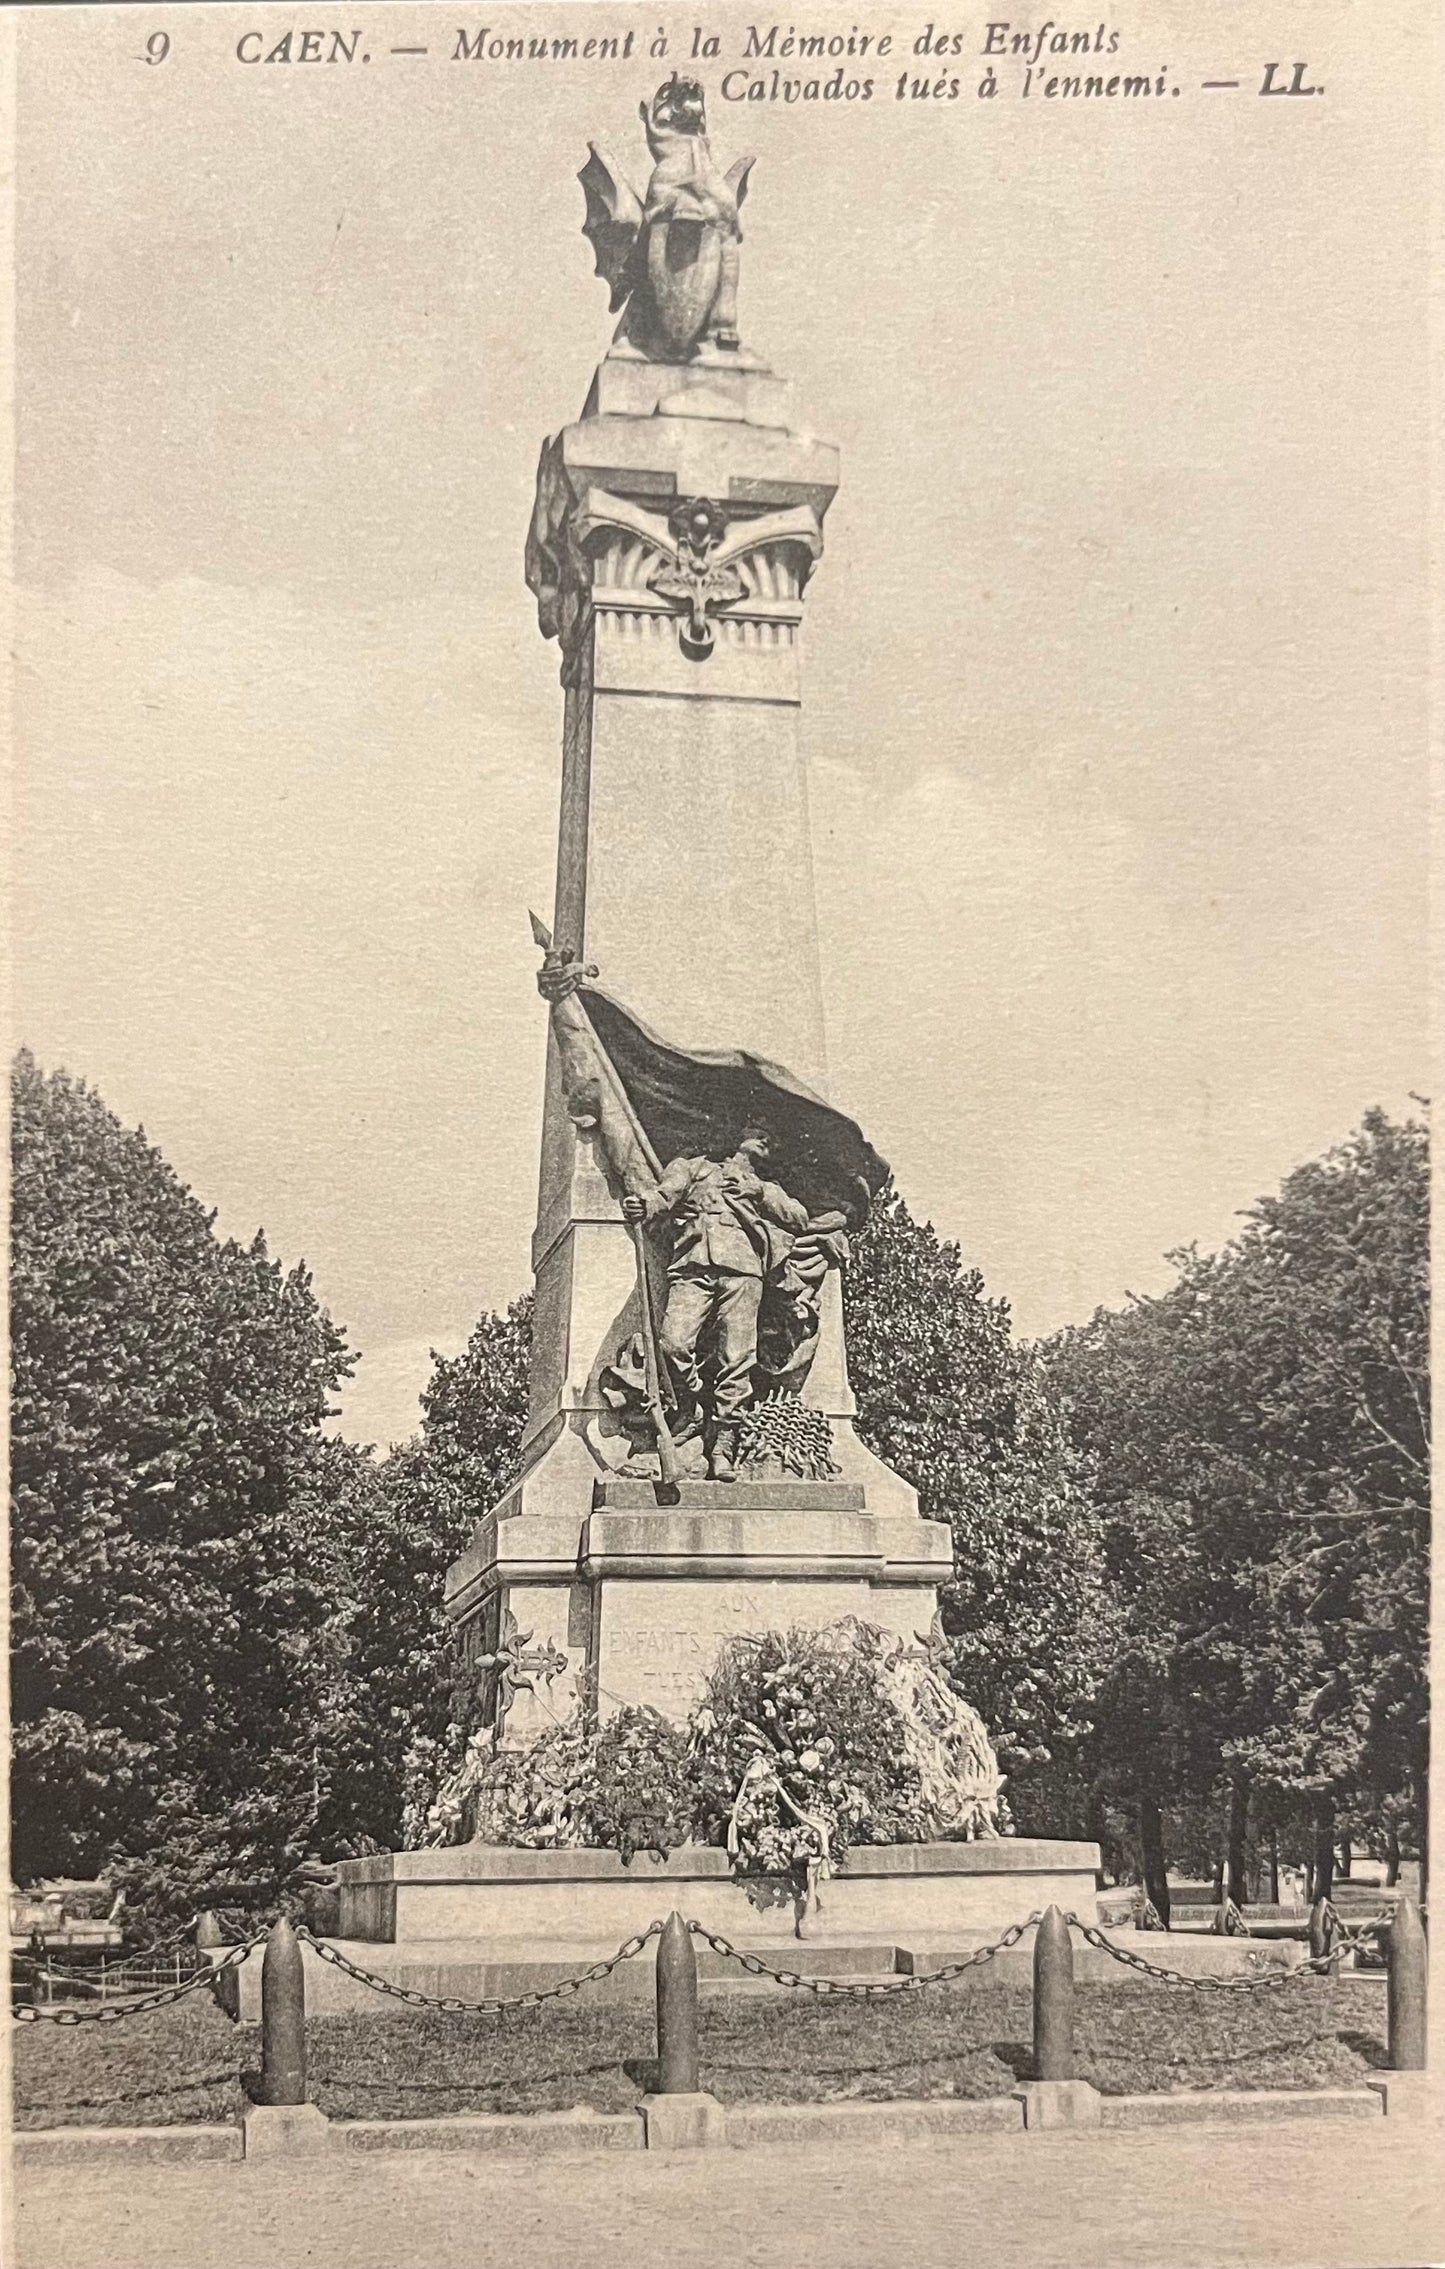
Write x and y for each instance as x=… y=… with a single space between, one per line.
x=670 y=260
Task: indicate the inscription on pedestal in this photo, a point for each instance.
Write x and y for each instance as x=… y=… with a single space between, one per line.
x=658 y=1639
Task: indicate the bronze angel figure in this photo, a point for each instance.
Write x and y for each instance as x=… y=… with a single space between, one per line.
x=671 y=261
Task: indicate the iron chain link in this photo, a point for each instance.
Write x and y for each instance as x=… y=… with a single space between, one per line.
x=113 y=2012
x=1267 y=1981
x=873 y=1990
x=455 y=2005
x=860 y=1990
x=1361 y=1939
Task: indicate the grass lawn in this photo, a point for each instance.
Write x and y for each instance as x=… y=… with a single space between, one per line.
x=184 y=2063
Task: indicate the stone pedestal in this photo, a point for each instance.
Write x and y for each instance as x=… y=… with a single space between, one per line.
x=684 y=2123
x=632 y=1601
x=1049 y=2104
x=287 y=2131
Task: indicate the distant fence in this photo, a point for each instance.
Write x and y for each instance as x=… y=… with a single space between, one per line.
x=39 y=1980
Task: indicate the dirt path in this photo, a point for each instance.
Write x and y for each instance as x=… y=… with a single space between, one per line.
x=1324 y=2193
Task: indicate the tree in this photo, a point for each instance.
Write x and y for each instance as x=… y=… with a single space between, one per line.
x=415 y=1517
x=168 y=1394
x=1262 y=1443
x=957 y=1408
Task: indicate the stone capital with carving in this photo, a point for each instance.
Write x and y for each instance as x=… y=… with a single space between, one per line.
x=699 y=555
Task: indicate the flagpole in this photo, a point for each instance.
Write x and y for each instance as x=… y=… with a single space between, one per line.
x=667 y=1483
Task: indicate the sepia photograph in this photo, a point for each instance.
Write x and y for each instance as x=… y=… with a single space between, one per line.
x=719 y=1193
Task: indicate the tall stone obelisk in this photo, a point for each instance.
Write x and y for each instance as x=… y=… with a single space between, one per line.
x=677 y=524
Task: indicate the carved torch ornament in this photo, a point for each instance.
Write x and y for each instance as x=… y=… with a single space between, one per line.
x=518 y=1665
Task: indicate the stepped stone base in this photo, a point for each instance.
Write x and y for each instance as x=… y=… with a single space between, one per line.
x=483 y=1892
x=478 y=1920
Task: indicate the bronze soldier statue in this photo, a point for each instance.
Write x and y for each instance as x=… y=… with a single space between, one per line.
x=724 y=1214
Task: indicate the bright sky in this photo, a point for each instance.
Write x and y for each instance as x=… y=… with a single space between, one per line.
x=1114 y=671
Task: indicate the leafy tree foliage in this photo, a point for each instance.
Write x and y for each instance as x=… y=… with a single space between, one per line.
x=1261 y=1438
x=954 y=1405
x=413 y=1518
x=169 y=1607
x=1190 y=1537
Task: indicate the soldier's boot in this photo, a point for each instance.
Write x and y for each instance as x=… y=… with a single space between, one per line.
x=722 y=1465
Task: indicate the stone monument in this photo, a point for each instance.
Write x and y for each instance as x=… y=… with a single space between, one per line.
x=690 y=1469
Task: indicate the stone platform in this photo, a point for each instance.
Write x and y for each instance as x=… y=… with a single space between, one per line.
x=482 y=1893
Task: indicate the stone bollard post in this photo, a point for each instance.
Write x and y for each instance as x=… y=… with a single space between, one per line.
x=1408 y=1983
x=282 y=2124
x=226 y=1984
x=1054 y=2098
x=283 y=2018
x=677 y=2116
x=677 y=2061
x=1053 y=1999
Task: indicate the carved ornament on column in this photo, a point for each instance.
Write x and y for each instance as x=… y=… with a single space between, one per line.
x=694 y=578
x=697 y=555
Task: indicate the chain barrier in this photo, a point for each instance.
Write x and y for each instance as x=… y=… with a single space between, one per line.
x=874 y=1989
x=112 y=2012
x=454 y=2004
x=846 y=1988
x=1362 y=1939
x=1267 y=1980
x=861 y=1990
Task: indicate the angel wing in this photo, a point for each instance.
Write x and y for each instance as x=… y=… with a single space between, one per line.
x=614 y=217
